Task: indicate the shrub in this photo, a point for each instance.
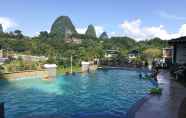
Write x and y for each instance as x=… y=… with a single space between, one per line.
x=156 y=91
x=1 y=73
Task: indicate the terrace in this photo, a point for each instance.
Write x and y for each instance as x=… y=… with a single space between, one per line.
x=167 y=105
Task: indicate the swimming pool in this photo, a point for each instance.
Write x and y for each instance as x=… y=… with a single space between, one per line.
x=105 y=93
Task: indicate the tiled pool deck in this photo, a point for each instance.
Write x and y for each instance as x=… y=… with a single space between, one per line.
x=165 y=105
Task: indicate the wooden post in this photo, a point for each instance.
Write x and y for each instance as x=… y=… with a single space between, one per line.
x=2 y=113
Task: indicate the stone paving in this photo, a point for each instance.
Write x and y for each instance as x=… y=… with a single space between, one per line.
x=165 y=105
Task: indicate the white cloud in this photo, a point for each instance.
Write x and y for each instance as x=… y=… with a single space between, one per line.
x=182 y=30
x=135 y=30
x=7 y=23
x=81 y=30
x=99 y=30
x=167 y=15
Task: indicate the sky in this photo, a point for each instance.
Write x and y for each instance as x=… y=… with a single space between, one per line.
x=139 y=19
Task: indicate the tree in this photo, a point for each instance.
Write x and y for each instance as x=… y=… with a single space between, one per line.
x=152 y=53
x=18 y=34
x=43 y=35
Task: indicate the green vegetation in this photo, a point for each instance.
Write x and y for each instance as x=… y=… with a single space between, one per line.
x=147 y=78
x=1 y=73
x=63 y=70
x=152 y=53
x=53 y=45
x=156 y=91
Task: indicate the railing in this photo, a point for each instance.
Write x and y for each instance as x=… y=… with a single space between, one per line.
x=2 y=112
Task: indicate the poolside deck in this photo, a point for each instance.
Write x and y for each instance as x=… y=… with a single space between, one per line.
x=167 y=105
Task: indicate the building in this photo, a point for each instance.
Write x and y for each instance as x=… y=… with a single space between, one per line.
x=133 y=54
x=72 y=39
x=179 y=50
x=111 y=54
x=3 y=58
x=167 y=55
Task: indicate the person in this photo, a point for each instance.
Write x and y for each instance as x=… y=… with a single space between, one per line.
x=156 y=74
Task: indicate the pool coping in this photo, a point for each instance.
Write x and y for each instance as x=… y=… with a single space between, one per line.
x=131 y=112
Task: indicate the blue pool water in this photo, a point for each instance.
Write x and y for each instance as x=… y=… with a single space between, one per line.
x=104 y=93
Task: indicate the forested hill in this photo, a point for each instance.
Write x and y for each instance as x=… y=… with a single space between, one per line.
x=51 y=44
x=63 y=26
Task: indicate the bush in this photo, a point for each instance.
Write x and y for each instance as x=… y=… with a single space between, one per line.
x=156 y=91
x=1 y=73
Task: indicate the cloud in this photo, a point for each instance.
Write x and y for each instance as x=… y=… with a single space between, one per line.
x=135 y=30
x=167 y=15
x=81 y=30
x=99 y=30
x=7 y=23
